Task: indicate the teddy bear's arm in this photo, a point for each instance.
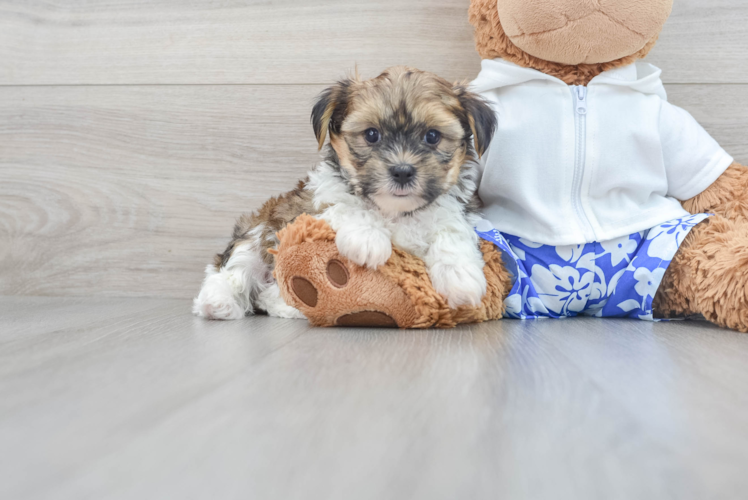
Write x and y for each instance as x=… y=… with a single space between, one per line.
x=727 y=196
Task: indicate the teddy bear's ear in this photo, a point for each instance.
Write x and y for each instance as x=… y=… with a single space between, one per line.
x=480 y=117
x=329 y=110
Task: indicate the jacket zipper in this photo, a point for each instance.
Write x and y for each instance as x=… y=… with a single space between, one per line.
x=580 y=106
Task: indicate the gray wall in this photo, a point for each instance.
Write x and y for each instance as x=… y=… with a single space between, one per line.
x=133 y=133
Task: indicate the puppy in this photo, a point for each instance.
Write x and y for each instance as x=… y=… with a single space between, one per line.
x=400 y=169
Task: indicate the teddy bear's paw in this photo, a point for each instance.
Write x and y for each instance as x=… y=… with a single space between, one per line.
x=329 y=293
x=461 y=285
x=331 y=290
x=270 y=301
x=366 y=246
x=370 y=319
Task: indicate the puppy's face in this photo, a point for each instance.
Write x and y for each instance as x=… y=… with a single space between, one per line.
x=404 y=136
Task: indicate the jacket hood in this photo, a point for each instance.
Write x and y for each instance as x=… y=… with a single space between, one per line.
x=640 y=76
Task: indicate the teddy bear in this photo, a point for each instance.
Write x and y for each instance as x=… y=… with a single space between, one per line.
x=600 y=197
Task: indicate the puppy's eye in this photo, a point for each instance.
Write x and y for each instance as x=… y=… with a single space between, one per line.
x=433 y=137
x=372 y=135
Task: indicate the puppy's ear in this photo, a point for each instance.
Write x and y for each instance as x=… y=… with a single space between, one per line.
x=480 y=118
x=329 y=110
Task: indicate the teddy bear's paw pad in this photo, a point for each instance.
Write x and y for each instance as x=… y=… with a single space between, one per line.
x=305 y=291
x=337 y=274
x=373 y=319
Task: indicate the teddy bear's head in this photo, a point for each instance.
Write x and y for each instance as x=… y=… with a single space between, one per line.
x=574 y=40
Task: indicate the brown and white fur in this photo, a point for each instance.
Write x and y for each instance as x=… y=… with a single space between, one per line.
x=400 y=169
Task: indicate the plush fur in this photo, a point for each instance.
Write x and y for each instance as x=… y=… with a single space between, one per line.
x=709 y=275
x=491 y=41
x=582 y=31
x=400 y=169
x=727 y=196
x=398 y=294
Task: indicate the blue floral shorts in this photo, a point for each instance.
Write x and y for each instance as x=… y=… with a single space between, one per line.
x=616 y=278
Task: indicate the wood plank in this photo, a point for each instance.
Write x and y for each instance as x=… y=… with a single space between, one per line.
x=704 y=42
x=268 y=408
x=139 y=185
x=721 y=109
x=236 y=42
x=53 y=314
x=113 y=368
x=240 y=42
x=666 y=371
x=128 y=191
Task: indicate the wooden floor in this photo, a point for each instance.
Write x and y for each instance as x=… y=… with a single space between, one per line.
x=133 y=133
x=137 y=399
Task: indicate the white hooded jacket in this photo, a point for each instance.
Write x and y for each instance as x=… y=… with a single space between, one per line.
x=571 y=165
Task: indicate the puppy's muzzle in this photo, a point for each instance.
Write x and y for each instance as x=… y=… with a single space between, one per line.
x=403 y=175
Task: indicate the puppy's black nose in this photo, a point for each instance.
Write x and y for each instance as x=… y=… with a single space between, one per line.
x=403 y=174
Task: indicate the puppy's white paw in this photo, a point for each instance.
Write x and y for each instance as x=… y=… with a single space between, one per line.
x=224 y=308
x=365 y=246
x=216 y=300
x=272 y=303
x=461 y=285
